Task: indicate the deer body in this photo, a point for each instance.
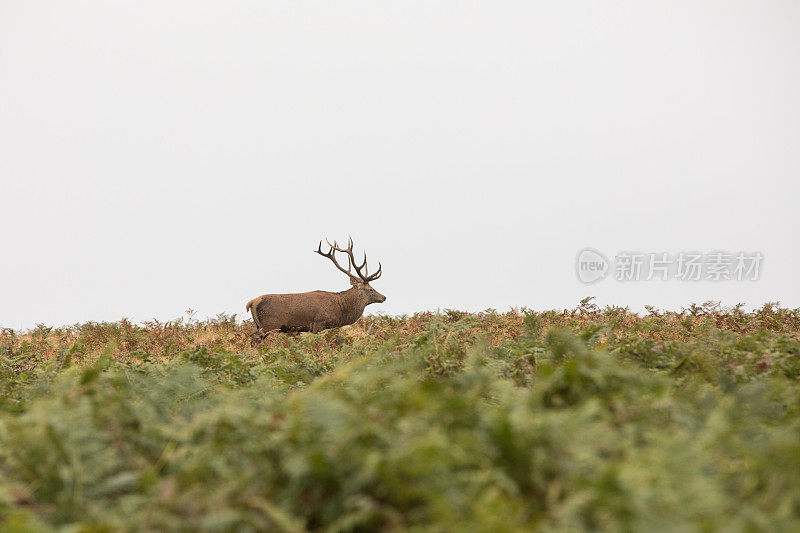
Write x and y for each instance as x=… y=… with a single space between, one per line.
x=317 y=310
x=307 y=311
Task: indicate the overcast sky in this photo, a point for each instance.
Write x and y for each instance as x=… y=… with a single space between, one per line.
x=159 y=156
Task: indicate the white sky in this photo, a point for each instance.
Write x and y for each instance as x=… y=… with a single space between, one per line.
x=159 y=156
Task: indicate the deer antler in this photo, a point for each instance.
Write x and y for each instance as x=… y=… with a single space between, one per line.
x=351 y=260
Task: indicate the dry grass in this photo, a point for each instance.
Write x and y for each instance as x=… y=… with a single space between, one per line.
x=160 y=341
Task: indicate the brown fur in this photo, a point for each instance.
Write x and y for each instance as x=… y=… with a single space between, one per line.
x=310 y=311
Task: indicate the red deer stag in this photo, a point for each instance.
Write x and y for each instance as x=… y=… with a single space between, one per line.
x=317 y=310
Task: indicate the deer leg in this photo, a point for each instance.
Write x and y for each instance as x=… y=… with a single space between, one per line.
x=259 y=336
x=256 y=337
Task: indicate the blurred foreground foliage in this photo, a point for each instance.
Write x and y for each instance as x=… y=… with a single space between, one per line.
x=581 y=419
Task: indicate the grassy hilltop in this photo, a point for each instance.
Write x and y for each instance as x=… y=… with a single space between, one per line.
x=580 y=419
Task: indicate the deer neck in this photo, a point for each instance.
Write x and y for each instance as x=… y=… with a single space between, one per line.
x=352 y=303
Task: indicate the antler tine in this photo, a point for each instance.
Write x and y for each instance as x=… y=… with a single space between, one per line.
x=338 y=248
x=376 y=275
x=361 y=270
x=332 y=256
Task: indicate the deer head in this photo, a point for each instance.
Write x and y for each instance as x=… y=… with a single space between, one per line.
x=359 y=281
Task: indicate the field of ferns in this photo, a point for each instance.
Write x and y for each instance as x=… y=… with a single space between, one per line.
x=584 y=419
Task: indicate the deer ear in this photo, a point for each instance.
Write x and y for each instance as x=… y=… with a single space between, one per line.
x=354 y=282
